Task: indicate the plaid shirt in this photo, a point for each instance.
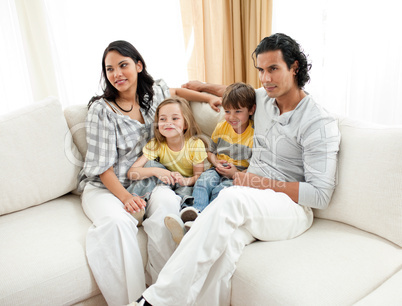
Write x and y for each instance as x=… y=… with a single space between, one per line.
x=115 y=140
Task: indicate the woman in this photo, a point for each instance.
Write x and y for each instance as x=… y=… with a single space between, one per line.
x=118 y=125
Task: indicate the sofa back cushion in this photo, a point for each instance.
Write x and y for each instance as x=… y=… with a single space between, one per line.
x=206 y=117
x=75 y=116
x=369 y=190
x=39 y=160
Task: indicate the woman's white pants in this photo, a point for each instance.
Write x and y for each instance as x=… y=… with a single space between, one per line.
x=112 y=248
x=200 y=270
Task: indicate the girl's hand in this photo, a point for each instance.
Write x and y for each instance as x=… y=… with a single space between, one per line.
x=165 y=176
x=134 y=204
x=228 y=171
x=179 y=179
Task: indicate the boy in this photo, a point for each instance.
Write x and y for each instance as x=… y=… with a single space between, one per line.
x=230 y=149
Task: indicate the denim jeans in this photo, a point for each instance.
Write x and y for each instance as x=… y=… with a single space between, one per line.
x=207 y=188
x=144 y=187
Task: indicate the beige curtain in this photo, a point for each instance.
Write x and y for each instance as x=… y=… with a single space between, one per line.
x=221 y=35
x=32 y=18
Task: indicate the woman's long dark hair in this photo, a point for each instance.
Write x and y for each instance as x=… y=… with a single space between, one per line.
x=145 y=90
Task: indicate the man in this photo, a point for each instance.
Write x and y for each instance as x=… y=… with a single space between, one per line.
x=292 y=170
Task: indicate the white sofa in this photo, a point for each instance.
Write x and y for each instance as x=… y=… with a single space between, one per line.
x=352 y=255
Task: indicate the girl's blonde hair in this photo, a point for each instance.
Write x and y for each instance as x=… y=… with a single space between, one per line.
x=191 y=130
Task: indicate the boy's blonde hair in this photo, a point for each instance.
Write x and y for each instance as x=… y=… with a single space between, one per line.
x=191 y=127
x=238 y=95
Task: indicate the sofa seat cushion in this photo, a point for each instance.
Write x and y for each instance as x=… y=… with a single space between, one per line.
x=42 y=251
x=389 y=293
x=331 y=264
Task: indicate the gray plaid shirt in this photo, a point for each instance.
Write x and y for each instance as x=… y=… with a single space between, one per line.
x=115 y=140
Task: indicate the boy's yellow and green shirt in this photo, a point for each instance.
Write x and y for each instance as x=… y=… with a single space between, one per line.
x=232 y=147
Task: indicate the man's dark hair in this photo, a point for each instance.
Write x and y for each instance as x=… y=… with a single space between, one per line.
x=291 y=52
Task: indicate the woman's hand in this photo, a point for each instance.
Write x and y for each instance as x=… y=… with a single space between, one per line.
x=134 y=203
x=226 y=169
x=215 y=102
x=197 y=95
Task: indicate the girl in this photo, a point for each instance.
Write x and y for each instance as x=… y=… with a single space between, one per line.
x=177 y=148
x=118 y=125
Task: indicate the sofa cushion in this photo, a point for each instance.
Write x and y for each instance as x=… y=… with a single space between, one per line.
x=38 y=156
x=75 y=116
x=206 y=117
x=330 y=264
x=389 y=293
x=369 y=194
x=42 y=251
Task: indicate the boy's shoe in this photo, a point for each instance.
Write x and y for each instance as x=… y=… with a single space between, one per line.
x=188 y=214
x=188 y=225
x=175 y=226
x=139 y=216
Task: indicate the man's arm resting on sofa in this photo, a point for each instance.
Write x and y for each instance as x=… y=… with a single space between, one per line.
x=259 y=182
x=214 y=89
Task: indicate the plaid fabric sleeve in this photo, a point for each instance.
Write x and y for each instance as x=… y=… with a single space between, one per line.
x=101 y=139
x=161 y=91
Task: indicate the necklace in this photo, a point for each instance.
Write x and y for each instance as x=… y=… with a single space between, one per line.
x=126 y=111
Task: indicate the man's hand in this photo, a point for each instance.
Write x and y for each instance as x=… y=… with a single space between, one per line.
x=260 y=182
x=215 y=89
x=251 y=180
x=194 y=85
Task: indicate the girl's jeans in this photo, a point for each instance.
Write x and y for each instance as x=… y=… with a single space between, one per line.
x=207 y=188
x=144 y=187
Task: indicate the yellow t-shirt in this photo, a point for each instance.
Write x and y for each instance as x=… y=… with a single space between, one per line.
x=192 y=153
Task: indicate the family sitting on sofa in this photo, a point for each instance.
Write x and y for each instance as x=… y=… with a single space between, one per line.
x=145 y=152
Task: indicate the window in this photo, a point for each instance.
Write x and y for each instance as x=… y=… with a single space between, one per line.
x=15 y=86
x=355 y=50
x=65 y=40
